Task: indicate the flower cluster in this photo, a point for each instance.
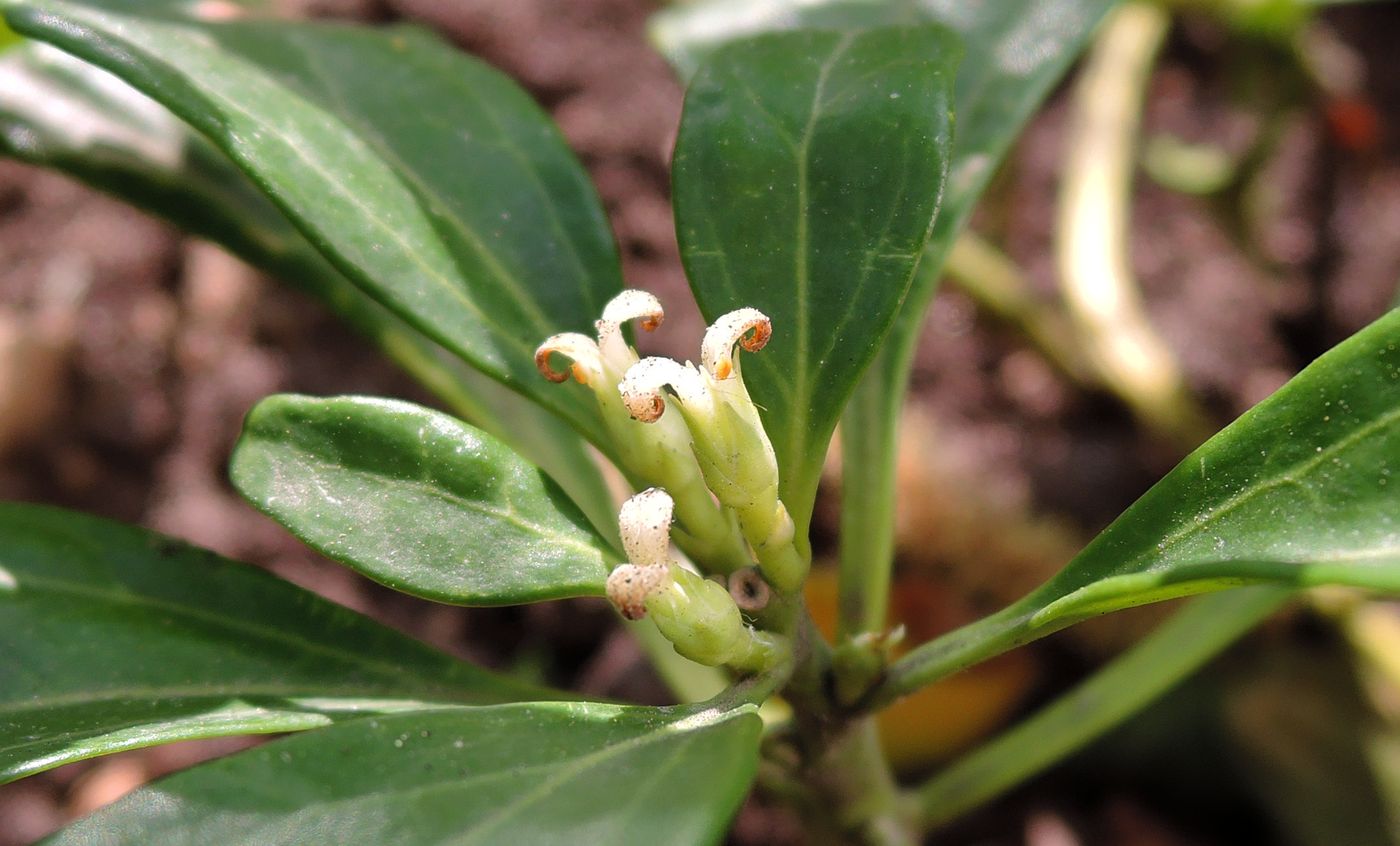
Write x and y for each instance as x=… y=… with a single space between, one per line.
x=710 y=462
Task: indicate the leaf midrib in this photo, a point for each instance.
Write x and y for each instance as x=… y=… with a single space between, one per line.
x=1288 y=475
x=440 y=492
x=801 y=397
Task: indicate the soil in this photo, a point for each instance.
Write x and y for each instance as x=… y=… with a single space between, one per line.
x=142 y=349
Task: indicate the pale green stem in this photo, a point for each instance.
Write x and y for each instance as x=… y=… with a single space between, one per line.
x=1092 y=231
x=870 y=446
x=869 y=452
x=1122 y=688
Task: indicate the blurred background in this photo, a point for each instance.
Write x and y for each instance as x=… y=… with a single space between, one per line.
x=1263 y=214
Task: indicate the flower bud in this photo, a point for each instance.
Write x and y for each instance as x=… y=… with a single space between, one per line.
x=747 y=327
x=702 y=621
x=699 y=617
x=586 y=360
x=627 y=306
x=727 y=436
x=645 y=525
x=629 y=586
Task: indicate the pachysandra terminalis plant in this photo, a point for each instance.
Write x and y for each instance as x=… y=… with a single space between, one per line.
x=424 y=198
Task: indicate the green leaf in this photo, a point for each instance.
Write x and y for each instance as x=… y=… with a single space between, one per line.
x=1299 y=491
x=431 y=180
x=1015 y=52
x=531 y=773
x=112 y=637
x=417 y=500
x=57 y=111
x=807 y=173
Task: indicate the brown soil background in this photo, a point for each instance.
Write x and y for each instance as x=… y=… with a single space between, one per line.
x=143 y=350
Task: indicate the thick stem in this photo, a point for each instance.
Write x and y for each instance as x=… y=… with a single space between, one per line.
x=854 y=781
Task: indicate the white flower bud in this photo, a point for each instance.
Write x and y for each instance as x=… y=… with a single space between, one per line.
x=628 y=305
x=660 y=453
x=586 y=365
x=645 y=524
x=629 y=586
x=643 y=388
x=747 y=327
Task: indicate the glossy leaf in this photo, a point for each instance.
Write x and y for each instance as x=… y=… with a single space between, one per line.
x=59 y=112
x=1300 y=491
x=531 y=773
x=806 y=176
x=416 y=500
x=1016 y=50
x=431 y=180
x=112 y=637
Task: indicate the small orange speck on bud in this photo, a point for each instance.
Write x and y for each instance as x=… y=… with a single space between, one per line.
x=758 y=339
x=542 y=364
x=585 y=359
x=747 y=327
